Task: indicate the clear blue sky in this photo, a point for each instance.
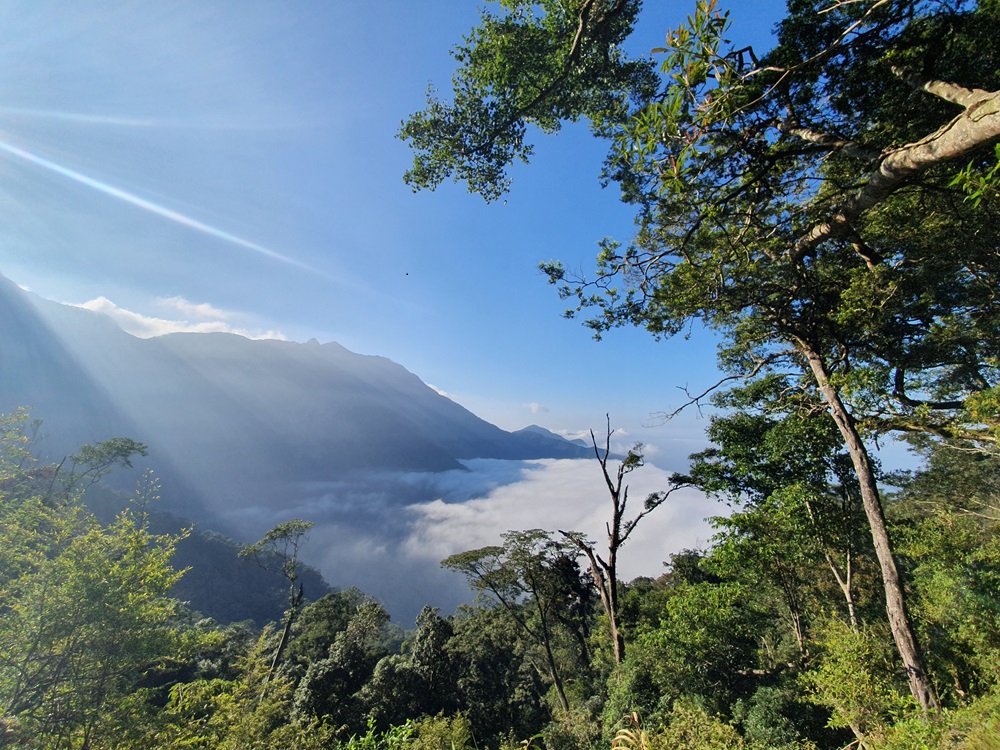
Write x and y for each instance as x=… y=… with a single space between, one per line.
x=234 y=163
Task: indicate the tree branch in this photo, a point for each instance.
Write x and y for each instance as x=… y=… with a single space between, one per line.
x=851 y=148
x=697 y=399
x=572 y=59
x=943 y=430
x=978 y=126
x=950 y=92
x=899 y=393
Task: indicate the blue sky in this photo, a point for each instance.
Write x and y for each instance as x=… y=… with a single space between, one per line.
x=233 y=165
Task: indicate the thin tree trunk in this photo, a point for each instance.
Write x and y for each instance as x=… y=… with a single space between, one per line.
x=547 y=642
x=845 y=586
x=617 y=639
x=794 y=610
x=606 y=580
x=295 y=601
x=895 y=601
x=844 y=581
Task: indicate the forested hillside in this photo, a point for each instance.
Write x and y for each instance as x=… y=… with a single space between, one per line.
x=772 y=637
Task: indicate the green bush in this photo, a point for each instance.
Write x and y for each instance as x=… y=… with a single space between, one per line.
x=691 y=727
x=856 y=678
x=975 y=726
x=578 y=729
x=443 y=733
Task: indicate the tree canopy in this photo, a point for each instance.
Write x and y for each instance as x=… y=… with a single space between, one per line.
x=807 y=204
x=533 y=63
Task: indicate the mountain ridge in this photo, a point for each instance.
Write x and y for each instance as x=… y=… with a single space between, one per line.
x=240 y=426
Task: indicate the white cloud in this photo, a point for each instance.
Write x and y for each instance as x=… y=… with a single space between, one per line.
x=212 y=320
x=537 y=408
x=651 y=450
x=382 y=536
x=192 y=310
x=621 y=440
x=440 y=392
x=561 y=494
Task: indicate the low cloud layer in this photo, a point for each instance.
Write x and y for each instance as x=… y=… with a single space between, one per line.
x=393 y=551
x=560 y=494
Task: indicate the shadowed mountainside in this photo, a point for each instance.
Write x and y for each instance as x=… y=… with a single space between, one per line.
x=240 y=431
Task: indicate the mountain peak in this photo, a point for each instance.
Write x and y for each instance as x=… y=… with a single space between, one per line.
x=240 y=418
x=537 y=430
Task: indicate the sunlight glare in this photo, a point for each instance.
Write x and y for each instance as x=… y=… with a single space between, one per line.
x=153 y=208
x=202 y=123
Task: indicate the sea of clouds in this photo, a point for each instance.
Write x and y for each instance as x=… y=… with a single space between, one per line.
x=393 y=551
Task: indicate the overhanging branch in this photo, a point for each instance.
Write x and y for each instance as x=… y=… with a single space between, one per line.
x=978 y=126
x=950 y=92
x=899 y=393
x=696 y=399
x=828 y=140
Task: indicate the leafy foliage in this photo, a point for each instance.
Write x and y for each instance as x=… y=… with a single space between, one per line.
x=85 y=613
x=775 y=200
x=533 y=63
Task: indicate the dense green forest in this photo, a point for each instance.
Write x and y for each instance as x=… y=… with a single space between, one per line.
x=830 y=210
x=775 y=636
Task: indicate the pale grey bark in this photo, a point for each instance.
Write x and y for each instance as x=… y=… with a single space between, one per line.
x=895 y=599
x=974 y=128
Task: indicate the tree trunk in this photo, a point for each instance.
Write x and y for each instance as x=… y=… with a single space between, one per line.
x=845 y=586
x=895 y=601
x=606 y=581
x=547 y=642
x=607 y=584
x=295 y=601
x=617 y=639
x=845 y=581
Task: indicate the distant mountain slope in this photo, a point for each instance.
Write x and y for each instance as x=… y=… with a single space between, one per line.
x=237 y=427
x=217 y=582
x=533 y=431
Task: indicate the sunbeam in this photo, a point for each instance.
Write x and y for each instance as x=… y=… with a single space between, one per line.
x=207 y=123
x=139 y=122
x=153 y=208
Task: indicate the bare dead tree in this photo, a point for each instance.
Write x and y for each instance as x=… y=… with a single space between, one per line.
x=604 y=570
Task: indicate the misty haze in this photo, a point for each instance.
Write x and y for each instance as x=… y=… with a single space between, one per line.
x=245 y=434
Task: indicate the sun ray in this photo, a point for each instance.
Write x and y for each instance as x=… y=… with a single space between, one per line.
x=142 y=203
x=79 y=117
x=204 y=123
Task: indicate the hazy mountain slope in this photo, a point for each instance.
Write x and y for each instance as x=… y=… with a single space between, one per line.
x=540 y=435
x=241 y=429
x=37 y=368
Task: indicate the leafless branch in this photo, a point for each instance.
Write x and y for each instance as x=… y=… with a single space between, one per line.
x=698 y=398
x=828 y=140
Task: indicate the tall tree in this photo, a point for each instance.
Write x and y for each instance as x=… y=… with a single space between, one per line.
x=800 y=203
x=528 y=578
x=278 y=550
